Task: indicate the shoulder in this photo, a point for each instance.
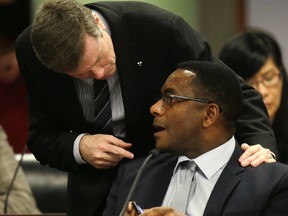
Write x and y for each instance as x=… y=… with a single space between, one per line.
x=163 y=159
x=139 y=11
x=271 y=172
x=24 y=36
x=272 y=167
x=23 y=44
x=125 y=6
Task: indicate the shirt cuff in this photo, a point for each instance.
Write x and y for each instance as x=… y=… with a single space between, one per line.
x=76 y=151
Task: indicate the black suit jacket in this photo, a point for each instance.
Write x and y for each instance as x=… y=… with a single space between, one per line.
x=258 y=191
x=140 y=33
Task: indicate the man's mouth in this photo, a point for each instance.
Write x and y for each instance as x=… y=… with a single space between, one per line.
x=157 y=129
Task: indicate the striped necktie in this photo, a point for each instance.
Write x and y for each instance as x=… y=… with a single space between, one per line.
x=103 y=116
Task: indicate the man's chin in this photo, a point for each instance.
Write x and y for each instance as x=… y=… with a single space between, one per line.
x=161 y=147
x=164 y=148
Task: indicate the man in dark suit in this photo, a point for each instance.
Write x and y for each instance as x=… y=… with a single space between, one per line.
x=132 y=45
x=195 y=121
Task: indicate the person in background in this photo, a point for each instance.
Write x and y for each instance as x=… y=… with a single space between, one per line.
x=6 y=1
x=195 y=122
x=13 y=98
x=70 y=50
x=256 y=56
x=21 y=199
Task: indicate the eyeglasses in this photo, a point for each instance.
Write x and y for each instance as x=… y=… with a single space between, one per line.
x=268 y=80
x=168 y=99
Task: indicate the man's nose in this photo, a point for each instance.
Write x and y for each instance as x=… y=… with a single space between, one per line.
x=157 y=108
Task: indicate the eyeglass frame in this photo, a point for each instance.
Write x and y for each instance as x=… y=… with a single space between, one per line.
x=256 y=83
x=167 y=97
x=199 y=100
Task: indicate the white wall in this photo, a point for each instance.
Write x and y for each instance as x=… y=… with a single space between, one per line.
x=272 y=16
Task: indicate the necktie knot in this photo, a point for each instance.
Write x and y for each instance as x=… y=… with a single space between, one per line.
x=189 y=165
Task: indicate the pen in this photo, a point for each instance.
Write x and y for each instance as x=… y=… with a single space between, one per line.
x=137 y=208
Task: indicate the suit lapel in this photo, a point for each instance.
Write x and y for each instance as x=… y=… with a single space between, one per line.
x=61 y=93
x=154 y=184
x=69 y=96
x=225 y=185
x=130 y=70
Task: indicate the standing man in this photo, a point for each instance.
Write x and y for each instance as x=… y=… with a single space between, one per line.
x=133 y=47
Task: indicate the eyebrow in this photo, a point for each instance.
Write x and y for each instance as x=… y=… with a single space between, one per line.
x=272 y=70
x=168 y=91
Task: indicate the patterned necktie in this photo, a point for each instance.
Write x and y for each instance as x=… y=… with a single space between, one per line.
x=103 y=116
x=180 y=199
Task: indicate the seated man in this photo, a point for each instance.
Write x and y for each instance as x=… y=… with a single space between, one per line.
x=195 y=120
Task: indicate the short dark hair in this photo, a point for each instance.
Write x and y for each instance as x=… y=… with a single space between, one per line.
x=217 y=83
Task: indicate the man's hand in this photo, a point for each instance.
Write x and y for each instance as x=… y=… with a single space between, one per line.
x=103 y=151
x=130 y=211
x=161 y=211
x=157 y=211
x=255 y=155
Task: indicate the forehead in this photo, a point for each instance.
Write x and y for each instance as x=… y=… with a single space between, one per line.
x=179 y=78
x=268 y=66
x=92 y=50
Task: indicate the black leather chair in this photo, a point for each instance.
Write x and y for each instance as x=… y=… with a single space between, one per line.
x=48 y=185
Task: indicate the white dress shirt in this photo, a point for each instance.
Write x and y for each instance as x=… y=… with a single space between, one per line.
x=209 y=167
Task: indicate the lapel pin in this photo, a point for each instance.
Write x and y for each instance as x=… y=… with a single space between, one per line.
x=139 y=63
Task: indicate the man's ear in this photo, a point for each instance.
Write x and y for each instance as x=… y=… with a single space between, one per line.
x=98 y=21
x=211 y=114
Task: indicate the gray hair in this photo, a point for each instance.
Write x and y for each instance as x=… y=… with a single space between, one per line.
x=58 y=32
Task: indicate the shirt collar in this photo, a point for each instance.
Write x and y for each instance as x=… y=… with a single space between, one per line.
x=220 y=157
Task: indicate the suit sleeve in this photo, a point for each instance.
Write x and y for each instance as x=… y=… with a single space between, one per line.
x=254 y=126
x=277 y=204
x=113 y=200
x=48 y=141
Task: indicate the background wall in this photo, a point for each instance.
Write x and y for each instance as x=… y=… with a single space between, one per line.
x=10 y=24
x=219 y=20
x=206 y=16
x=271 y=16
x=186 y=8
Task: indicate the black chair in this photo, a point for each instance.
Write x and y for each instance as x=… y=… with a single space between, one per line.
x=48 y=185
